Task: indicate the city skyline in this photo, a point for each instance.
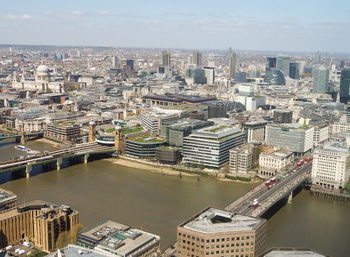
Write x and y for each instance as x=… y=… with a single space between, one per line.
x=270 y=25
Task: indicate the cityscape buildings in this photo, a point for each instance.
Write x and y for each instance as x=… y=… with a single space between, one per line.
x=321 y=78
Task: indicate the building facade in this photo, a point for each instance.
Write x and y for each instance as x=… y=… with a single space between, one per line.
x=296 y=137
x=63 y=131
x=217 y=233
x=274 y=163
x=282 y=116
x=331 y=166
x=210 y=146
x=321 y=79
x=255 y=131
x=241 y=159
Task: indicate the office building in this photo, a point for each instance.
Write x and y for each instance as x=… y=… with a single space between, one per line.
x=330 y=167
x=168 y=154
x=166 y=58
x=175 y=133
x=63 y=131
x=271 y=62
x=199 y=76
x=321 y=133
x=129 y=68
x=317 y=58
x=274 y=163
x=321 y=79
x=197 y=58
x=38 y=221
x=282 y=116
x=274 y=77
x=8 y=200
x=143 y=145
x=345 y=85
x=209 y=75
x=115 y=62
x=152 y=121
x=210 y=146
x=232 y=64
x=254 y=131
x=215 y=232
x=294 y=70
x=283 y=64
x=342 y=64
x=115 y=239
x=296 y=137
x=241 y=159
x=240 y=77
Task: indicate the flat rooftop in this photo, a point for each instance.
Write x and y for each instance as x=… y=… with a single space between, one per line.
x=293 y=253
x=214 y=220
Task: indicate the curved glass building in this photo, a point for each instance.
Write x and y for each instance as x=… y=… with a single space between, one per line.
x=274 y=77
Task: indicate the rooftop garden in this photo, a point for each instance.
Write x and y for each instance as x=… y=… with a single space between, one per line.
x=168 y=148
x=213 y=130
x=147 y=138
x=126 y=130
x=283 y=126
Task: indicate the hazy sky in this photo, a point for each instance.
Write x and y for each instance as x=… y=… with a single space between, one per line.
x=297 y=25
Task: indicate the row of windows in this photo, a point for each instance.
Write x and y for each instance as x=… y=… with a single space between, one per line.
x=236 y=255
x=217 y=239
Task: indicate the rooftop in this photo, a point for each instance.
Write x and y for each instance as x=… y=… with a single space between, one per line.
x=146 y=138
x=291 y=126
x=214 y=220
x=292 y=252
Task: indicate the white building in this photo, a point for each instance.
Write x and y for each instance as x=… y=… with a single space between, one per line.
x=241 y=159
x=210 y=146
x=30 y=125
x=274 y=163
x=321 y=133
x=330 y=167
x=340 y=126
x=296 y=137
x=42 y=81
x=255 y=131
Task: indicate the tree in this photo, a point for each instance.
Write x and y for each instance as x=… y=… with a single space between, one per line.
x=226 y=168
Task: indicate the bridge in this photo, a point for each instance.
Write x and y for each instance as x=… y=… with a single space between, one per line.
x=84 y=150
x=21 y=137
x=267 y=197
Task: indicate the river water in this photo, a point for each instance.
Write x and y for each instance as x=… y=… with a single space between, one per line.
x=158 y=203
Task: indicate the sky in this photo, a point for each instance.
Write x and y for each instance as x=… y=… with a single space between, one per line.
x=271 y=25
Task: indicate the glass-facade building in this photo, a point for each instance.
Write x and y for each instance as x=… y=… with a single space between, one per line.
x=283 y=64
x=274 y=77
x=294 y=70
x=321 y=79
x=271 y=62
x=344 y=85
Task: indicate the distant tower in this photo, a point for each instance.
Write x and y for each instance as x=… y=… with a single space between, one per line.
x=321 y=79
x=166 y=58
x=197 y=58
x=317 y=58
x=92 y=131
x=115 y=61
x=232 y=63
x=119 y=143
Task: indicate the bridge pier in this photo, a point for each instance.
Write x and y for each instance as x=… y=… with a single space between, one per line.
x=290 y=197
x=23 y=140
x=59 y=162
x=28 y=170
x=86 y=158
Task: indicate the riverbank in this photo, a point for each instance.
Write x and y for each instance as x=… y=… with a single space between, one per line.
x=148 y=167
x=50 y=142
x=176 y=171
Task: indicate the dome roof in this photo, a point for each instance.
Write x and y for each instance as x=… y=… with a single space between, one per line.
x=42 y=68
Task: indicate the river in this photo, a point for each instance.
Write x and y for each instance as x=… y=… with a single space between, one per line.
x=158 y=203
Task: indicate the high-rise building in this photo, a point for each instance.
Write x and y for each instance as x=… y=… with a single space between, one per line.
x=321 y=79
x=210 y=75
x=274 y=77
x=115 y=62
x=254 y=131
x=317 y=58
x=282 y=116
x=197 y=58
x=283 y=64
x=271 y=62
x=342 y=64
x=294 y=70
x=345 y=85
x=166 y=58
x=129 y=68
x=330 y=167
x=215 y=233
x=232 y=63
